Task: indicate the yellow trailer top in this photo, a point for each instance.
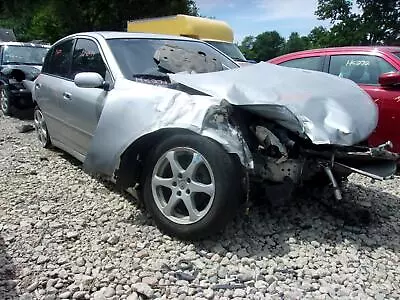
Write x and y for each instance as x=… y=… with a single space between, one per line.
x=183 y=25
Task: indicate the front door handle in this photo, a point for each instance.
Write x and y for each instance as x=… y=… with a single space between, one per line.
x=67 y=96
x=37 y=86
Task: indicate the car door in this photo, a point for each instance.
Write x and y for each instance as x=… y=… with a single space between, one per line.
x=49 y=88
x=314 y=63
x=365 y=71
x=82 y=107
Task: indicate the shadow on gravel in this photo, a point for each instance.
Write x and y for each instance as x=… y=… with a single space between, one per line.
x=7 y=274
x=23 y=114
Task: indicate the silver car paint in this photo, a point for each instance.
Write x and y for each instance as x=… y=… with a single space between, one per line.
x=153 y=108
x=324 y=108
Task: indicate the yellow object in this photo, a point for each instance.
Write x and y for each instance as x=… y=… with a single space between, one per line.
x=183 y=25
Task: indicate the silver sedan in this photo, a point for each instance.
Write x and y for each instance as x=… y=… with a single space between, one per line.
x=177 y=120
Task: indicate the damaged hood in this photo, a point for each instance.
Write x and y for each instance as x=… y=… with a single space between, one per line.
x=323 y=107
x=30 y=71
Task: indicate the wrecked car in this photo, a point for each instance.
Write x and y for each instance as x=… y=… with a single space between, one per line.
x=18 y=62
x=180 y=123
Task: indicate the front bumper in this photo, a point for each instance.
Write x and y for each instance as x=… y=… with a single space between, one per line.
x=20 y=97
x=377 y=163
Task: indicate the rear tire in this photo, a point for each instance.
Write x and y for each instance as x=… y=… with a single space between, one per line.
x=41 y=128
x=192 y=186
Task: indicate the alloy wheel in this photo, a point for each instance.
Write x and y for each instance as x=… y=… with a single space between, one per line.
x=4 y=100
x=183 y=185
x=40 y=126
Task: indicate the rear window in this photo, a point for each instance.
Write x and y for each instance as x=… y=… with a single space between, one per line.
x=397 y=54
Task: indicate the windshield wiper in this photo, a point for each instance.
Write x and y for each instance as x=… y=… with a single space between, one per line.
x=239 y=59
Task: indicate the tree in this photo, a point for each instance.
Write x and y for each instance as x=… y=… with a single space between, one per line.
x=377 y=23
x=296 y=42
x=319 y=37
x=52 y=19
x=246 y=47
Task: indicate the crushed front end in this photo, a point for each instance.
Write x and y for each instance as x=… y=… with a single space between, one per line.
x=283 y=161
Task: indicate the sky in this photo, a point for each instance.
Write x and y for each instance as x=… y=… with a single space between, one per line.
x=252 y=17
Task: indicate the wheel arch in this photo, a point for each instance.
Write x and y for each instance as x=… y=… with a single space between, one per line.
x=129 y=170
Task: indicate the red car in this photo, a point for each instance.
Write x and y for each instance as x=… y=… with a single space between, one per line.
x=374 y=69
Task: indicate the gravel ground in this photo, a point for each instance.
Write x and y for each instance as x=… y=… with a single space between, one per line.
x=64 y=234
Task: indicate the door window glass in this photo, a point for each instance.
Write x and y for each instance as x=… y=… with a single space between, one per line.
x=308 y=63
x=362 y=69
x=60 y=61
x=87 y=58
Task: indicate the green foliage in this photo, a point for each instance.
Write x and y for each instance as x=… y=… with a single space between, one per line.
x=53 y=19
x=378 y=21
x=296 y=43
x=262 y=47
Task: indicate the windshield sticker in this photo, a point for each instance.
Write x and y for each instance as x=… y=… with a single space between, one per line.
x=352 y=62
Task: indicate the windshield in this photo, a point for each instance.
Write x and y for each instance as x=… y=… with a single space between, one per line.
x=24 y=55
x=229 y=49
x=136 y=56
x=397 y=54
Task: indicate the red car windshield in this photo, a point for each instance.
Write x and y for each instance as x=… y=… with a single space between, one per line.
x=397 y=54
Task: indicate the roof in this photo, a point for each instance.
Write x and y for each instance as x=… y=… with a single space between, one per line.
x=347 y=49
x=7 y=35
x=184 y=25
x=20 y=44
x=352 y=48
x=108 y=35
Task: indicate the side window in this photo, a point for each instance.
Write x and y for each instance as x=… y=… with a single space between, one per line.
x=87 y=58
x=309 y=63
x=46 y=63
x=60 y=60
x=362 y=69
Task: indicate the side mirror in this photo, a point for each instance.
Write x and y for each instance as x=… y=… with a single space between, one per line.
x=389 y=79
x=89 y=80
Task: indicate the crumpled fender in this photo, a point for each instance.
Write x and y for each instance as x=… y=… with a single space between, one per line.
x=126 y=117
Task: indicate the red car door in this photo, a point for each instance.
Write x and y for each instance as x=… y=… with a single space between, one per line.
x=365 y=70
x=388 y=100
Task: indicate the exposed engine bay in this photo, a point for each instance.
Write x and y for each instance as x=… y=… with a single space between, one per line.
x=284 y=161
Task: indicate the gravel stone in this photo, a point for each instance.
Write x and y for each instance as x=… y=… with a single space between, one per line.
x=79 y=295
x=133 y=296
x=109 y=292
x=32 y=287
x=99 y=295
x=42 y=259
x=67 y=235
x=143 y=288
x=150 y=280
x=65 y=295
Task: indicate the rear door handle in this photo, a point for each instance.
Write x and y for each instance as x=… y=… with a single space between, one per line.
x=67 y=96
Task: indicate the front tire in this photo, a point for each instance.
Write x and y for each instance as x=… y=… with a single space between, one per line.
x=41 y=128
x=192 y=186
x=5 y=102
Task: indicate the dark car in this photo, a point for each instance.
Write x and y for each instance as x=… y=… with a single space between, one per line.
x=375 y=69
x=18 y=62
